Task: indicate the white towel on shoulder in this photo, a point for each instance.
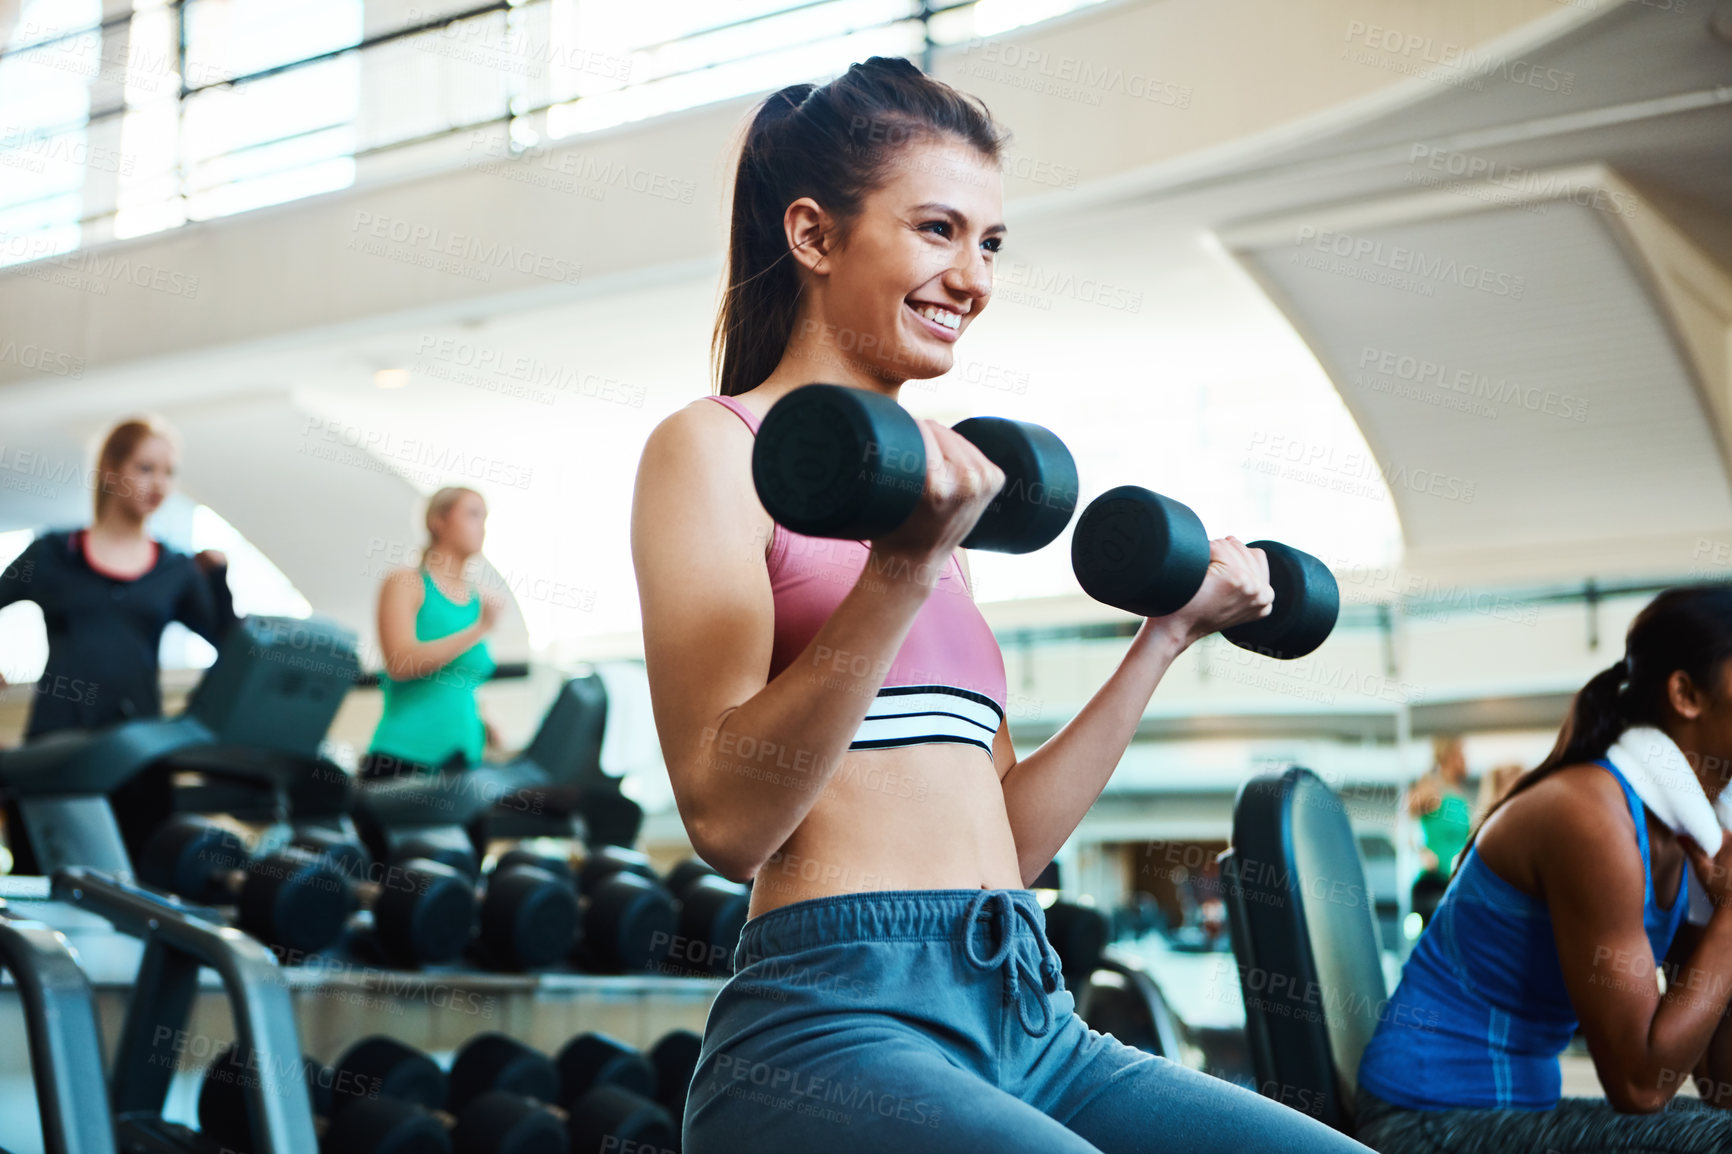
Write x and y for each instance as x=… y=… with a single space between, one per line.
x=1661 y=776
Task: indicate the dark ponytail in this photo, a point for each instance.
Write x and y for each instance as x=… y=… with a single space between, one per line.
x=835 y=144
x=1687 y=629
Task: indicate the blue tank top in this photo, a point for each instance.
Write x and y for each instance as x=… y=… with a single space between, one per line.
x=1481 y=1012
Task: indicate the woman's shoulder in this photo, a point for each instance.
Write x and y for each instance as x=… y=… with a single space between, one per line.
x=52 y=540
x=703 y=416
x=702 y=438
x=1567 y=816
x=1581 y=800
x=408 y=578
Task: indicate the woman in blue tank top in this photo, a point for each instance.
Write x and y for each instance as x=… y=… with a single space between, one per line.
x=1568 y=897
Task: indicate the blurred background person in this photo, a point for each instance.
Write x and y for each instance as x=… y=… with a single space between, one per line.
x=1439 y=802
x=433 y=622
x=108 y=591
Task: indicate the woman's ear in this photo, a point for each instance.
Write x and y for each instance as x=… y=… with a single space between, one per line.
x=809 y=229
x=1683 y=696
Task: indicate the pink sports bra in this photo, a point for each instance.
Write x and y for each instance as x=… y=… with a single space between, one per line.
x=947 y=681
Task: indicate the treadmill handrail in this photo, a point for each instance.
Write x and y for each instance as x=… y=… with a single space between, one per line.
x=65 y=1044
x=259 y=999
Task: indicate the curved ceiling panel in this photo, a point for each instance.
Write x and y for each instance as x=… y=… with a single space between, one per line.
x=1520 y=385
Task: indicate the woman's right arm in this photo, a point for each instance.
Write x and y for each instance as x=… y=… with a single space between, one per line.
x=748 y=756
x=403 y=656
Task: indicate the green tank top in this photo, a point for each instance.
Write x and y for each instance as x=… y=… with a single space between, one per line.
x=1446 y=829
x=427 y=719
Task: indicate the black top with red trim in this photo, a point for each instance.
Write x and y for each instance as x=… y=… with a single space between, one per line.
x=104 y=629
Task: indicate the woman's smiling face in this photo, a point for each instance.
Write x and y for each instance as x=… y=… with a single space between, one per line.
x=914 y=270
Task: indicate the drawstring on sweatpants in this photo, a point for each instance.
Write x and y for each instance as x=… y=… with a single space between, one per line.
x=1017 y=970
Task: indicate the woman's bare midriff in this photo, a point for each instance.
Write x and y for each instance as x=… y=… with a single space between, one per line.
x=921 y=817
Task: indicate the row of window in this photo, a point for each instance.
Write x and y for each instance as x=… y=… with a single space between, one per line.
x=195 y=109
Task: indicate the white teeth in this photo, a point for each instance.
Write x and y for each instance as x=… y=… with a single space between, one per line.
x=944 y=317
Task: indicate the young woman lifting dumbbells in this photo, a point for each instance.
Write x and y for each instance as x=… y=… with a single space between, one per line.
x=832 y=711
x=1568 y=894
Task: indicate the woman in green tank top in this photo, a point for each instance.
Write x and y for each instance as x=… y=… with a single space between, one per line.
x=1439 y=802
x=432 y=622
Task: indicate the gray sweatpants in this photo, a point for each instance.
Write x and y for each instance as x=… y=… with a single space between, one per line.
x=937 y=1022
x=1574 y=1126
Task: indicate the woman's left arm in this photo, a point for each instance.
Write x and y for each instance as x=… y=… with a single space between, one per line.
x=1713 y=1070
x=1047 y=793
x=206 y=605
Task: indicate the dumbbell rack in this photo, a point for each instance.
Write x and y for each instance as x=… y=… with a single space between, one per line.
x=113 y=927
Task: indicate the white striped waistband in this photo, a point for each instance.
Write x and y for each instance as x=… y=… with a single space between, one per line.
x=917 y=714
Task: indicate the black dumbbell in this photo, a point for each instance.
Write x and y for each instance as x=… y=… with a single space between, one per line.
x=500 y=1085
x=675 y=1058
x=607 y=1082
x=559 y=867
x=604 y=861
x=529 y=915
x=590 y=1060
x=223 y=1113
x=712 y=912
x=833 y=461
x=1148 y=554
x=369 y=1114
x=420 y=911
x=345 y=853
x=460 y=857
x=494 y=1061
x=510 y=1084
x=290 y=899
x=629 y=918
x=423 y=912
x=610 y=1092
x=509 y=1081
x=408 y=1111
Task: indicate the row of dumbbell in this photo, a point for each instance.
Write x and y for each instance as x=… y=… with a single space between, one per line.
x=499 y=1097
x=529 y=912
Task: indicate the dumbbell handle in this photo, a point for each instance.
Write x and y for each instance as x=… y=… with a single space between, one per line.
x=1149 y=554
x=833 y=461
x=1040 y=485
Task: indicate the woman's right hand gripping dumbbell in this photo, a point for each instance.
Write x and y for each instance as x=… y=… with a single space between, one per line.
x=960 y=483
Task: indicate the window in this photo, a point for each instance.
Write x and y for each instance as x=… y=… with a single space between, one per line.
x=110 y=131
